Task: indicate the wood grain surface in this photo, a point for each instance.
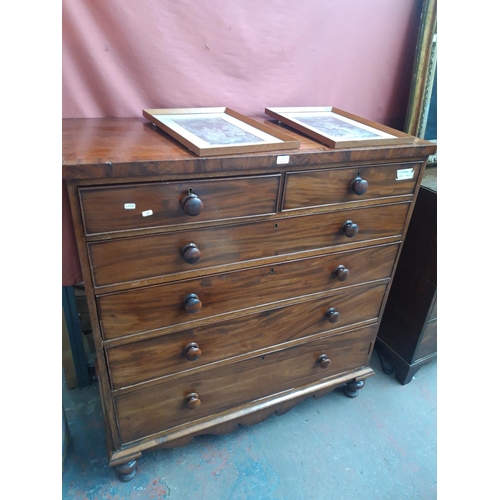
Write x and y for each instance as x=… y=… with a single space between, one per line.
x=114 y=148
x=104 y=208
x=141 y=258
x=161 y=307
x=332 y=186
x=163 y=406
x=150 y=359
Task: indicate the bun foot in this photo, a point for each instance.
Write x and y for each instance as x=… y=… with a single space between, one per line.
x=352 y=388
x=126 y=471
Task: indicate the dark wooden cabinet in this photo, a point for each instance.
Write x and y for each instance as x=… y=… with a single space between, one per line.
x=222 y=290
x=407 y=336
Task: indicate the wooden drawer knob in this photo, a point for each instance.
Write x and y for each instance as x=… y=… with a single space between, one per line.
x=323 y=361
x=193 y=401
x=350 y=229
x=191 y=203
x=341 y=273
x=359 y=186
x=192 y=303
x=190 y=253
x=332 y=315
x=192 y=351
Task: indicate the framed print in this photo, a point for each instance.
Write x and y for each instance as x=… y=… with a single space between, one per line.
x=337 y=128
x=218 y=131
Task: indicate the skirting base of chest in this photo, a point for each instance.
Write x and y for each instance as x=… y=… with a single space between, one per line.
x=231 y=420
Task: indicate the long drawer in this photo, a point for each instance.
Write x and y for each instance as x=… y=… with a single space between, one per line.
x=166 y=405
x=149 y=359
x=332 y=186
x=138 y=206
x=139 y=258
x=179 y=303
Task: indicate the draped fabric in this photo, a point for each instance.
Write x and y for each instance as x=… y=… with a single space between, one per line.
x=121 y=56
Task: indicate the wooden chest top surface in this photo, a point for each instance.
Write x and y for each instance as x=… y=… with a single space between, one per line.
x=101 y=148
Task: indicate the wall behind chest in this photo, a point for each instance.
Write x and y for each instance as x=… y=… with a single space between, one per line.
x=121 y=56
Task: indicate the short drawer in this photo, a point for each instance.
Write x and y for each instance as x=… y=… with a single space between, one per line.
x=154 y=358
x=144 y=257
x=164 y=406
x=158 y=307
x=139 y=206
x=334 y=186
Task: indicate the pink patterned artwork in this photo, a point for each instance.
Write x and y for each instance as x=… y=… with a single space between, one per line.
x=215 y=130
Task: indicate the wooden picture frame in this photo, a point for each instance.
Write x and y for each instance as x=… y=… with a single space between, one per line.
x=337 y=128
x=219 y=131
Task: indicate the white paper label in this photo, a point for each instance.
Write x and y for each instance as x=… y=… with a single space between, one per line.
x=147 y=213
x=129 y=206
x=405 y=173
x=282 y=160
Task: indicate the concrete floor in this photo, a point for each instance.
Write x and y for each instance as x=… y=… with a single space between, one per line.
x=380 y=445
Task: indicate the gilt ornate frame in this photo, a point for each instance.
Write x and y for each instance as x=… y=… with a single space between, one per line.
x=423 y=74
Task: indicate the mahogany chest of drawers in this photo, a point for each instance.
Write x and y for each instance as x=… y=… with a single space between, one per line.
x=222 y=290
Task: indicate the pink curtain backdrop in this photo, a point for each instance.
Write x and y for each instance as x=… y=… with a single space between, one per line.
x=121 y=56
